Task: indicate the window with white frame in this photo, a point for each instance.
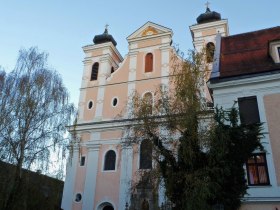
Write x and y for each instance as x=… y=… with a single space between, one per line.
x=257 y=171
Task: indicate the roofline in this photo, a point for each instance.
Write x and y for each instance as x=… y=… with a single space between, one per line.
x=249 y=32
x=127 y=38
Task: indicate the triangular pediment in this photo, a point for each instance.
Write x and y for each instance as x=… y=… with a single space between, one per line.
x=149 y=29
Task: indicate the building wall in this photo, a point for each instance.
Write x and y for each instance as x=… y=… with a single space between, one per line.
x=267 y=90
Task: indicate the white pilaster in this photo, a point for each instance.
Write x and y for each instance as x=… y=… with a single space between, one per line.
x=91 y=173
x=126 y=176
x=165 y=66
x=131 y=80
x=69 y=184
x=100 y=93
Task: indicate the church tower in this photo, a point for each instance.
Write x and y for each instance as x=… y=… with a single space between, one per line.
x=209 y=26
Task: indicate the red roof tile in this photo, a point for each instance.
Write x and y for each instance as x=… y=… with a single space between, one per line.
x=248 y=53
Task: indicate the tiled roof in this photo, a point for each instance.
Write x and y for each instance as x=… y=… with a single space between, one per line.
x=248 y=53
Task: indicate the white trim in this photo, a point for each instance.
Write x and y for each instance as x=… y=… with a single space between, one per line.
x=103 y=160
x=100 y=205
x=91 y=176
x=108 y=45
x=70 y=180
x=163 y=31
x=245 y=81
x=125 y=176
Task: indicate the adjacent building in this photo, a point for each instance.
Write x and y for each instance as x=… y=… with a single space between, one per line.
x=246 y=74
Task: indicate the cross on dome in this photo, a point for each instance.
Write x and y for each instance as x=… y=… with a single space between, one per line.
x=207 y=4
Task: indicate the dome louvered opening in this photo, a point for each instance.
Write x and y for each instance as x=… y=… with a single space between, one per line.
x=103 y=38
x=208 y=16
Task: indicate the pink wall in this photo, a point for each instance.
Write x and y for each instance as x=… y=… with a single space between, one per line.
x=271 y=103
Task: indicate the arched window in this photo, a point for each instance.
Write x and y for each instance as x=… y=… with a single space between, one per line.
x=146 y=154
x=110 y=161
x=149 y=62
x=210 y=49
x=148 y=101
x=112 y=70
x=94 y=71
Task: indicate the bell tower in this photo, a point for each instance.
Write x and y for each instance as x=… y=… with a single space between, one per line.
x=208 y=25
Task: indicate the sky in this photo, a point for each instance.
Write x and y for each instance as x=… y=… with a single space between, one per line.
x=61 y=27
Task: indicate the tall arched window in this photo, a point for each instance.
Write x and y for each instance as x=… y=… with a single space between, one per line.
x=210 y=49
x=149 y=62
x=110 y=161
x=146 y=150
x=94 y=71
x=148 y=101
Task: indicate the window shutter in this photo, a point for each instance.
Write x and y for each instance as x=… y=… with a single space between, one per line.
x=248 y=110
x=149 y=62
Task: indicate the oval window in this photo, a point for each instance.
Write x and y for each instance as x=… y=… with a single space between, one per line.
x=78 y=197
x=115 y=102
x=90 y=105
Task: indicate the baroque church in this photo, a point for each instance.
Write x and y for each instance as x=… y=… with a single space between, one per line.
x=101 y=169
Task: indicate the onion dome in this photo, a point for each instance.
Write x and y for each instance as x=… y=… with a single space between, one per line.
x=103 y=38
x=208 y=16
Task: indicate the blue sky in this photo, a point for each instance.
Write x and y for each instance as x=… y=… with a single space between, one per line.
x=62 y=27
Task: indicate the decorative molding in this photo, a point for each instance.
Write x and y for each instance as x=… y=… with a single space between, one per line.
x=149 y=31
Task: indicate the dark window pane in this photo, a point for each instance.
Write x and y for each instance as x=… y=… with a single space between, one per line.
x=90 y=104
x=94 y=71
x=83 y=159
x=278 y=51
x=248 y=110
x=146 y=154
x=78 y=197
x=110 y=160
x=115 y=102
x=108 y=208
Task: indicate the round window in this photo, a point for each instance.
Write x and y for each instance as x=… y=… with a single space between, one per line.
x=78 y=197
x=90 y=105
x=115 y=102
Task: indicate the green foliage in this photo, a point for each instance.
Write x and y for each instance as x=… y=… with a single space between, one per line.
x=200 y=153
x=230 y=146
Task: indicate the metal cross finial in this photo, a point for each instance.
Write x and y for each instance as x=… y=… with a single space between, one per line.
x=207 y=4
x=106 y=26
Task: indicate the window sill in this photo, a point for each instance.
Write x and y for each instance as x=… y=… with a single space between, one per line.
x=259 y=186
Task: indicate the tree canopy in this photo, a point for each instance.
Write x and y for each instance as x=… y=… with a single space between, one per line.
x=199 y=153
x=35 y=111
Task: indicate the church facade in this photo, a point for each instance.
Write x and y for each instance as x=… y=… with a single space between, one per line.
x=99 y=176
